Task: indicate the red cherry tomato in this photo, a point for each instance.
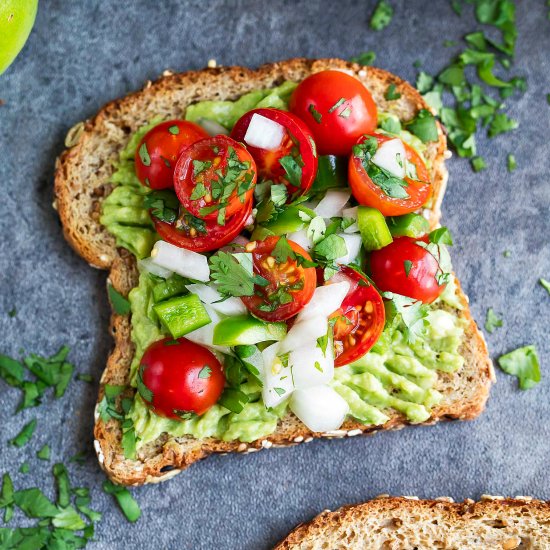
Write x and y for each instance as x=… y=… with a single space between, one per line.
x=368 y=193
x=214 y=178
x=199 y=235
x=359 y=321
x=392 y=272
x=337 y=108
x=159 y=149
x=178 y=377
x=289 y=286
x=297 y=144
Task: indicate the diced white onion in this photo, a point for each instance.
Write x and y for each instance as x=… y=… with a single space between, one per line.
x=300 y=237
x=212 y=127
x=325 y=301
x=351 y=213
x=181 y=261
x=310 y=366
x=392 y=157
x=353 y=244
x=332 y=203
x=264 y=133
x=209 y=295
x=205 y=335
x=320 y=408
x=276 y=378
x=150 y=267
x=303 y=333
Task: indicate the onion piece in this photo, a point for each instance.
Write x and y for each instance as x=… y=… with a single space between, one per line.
x=311 y=365
x=276 y=378
x=212 y=127
x=205 y=335
x=392 y=157
x=210 y=295
x=325 y=301
x=332 y=203
x=300 y=237
x=304 y=332
x=149 y=266
x=181 y=261
x=264 y=133
x=352 y=214
x=320 y=408
x=353 y=244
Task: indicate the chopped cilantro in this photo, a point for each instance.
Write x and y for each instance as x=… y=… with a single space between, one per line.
x=391 y=93
x=85 y=377
x=233 y=400
x=423 y=126
x=120 y=304
x=407 y=265
x=293 y=169
x=511 y=162
x=232 y=278
x=24 y=436
x=449 y=43
x=205 y=372
x=34 y=504
x=507 y=253
x=144 y=155
x=24 y=468
x=174 y=130
x=163 y=205
x=337 y=104
x=478 y=164
x=143 y=390
x=545 y=284
x=452 y=76
x=492 y=321
x=424 y=82
x=126 y=501
x=12 y=312
x=315 y=113
x=44 y=453
x=331 y=248
x=523 y=363
x=365 y=58
x=501 y=124
x=411 y=312
x=381 y=16
x=441 y=235
x=279 y=193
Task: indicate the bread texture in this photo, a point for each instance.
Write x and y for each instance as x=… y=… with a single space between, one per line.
x=397 y=523
x=82 y=178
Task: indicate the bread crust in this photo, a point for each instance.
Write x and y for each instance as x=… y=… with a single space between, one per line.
x=82 y=179
x=408 y=522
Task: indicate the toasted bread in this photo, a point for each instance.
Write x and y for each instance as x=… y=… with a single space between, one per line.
x=404 y=522
x=81 y=181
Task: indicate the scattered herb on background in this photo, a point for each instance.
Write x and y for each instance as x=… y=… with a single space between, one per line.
x=24 y=436
x=492 y=321
x=120 y=304
x=44 y=453
x=523 y=363
x=382 y=16
x=365 y=58
x=126 y=501
x=545 y=284
x=511 y=162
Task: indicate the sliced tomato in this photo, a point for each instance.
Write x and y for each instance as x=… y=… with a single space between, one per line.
x=360 y=320
x=337 y=108
x=159 y=149
x=214 y=178
x=369 y=194
x=288 y=285
x=178 y=378
x=200 y=235
x=293 y=162
x=407 y=268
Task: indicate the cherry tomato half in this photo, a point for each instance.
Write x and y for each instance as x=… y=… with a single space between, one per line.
x=297 y=148
x=289 y=286
x=368 y=193
x=159 y=149
x=360 y=319
x=214 y=178
x=200 y=235
x=179 y=377
x=337 y=108
x=392 y=272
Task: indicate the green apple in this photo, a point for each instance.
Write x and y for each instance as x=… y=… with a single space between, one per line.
x=16 y=21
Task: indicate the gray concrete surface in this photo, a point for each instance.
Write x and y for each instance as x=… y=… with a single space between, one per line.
x=82 y=54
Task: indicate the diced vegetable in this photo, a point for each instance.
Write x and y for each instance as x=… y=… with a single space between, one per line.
x=300 y=237
x=325 y=301
x=174 y=286
x=331 y=172
x=246 y=330
x=181 y=261
x=353 y=245
x=205 y=334
x=212 y=127
x=276 y=378
x=320 y=408
x=312 y=364
x=150 y=267
x=332 y=203
x=409 y=225
x=209 y=295
x=182 y=314
x=264 y=133
x=351 y=213
x=392 y=157
x=373 y=228
x=290 y=220
x=304 y=332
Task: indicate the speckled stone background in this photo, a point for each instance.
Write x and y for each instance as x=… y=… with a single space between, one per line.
x=82 y=54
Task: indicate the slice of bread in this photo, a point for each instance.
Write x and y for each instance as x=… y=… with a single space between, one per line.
x=82 y=179
x=398 y=523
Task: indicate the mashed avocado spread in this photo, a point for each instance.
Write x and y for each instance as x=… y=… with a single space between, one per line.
x=397 y=373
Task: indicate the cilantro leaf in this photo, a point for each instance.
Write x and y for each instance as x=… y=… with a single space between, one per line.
x=478 y=164
x=492 y=321
x=232 y=278
x=126 y=501
x=44 y=453
x=120 y=304
x=279 y=193
x=68 y=518
x=441 y=235
x=411 y=312
x=144 y=155
x=11 y=371
x=205 y=372
x=282 y=251
x=545 y=284
x=293 y=170
x=423 y=126
x=365 y=58
x=511 y=162
x=143 y=390
x=381 y=16
x=391 y=93
x=331 y=248
x=233 y=400
x=501 y=124
x=24 y=436
x=523 y=363
x=34 y=503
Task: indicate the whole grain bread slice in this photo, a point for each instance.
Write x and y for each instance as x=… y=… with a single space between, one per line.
x=400 y=523
x=82 y=178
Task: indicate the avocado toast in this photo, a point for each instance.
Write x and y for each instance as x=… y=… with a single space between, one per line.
x=84 y=181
